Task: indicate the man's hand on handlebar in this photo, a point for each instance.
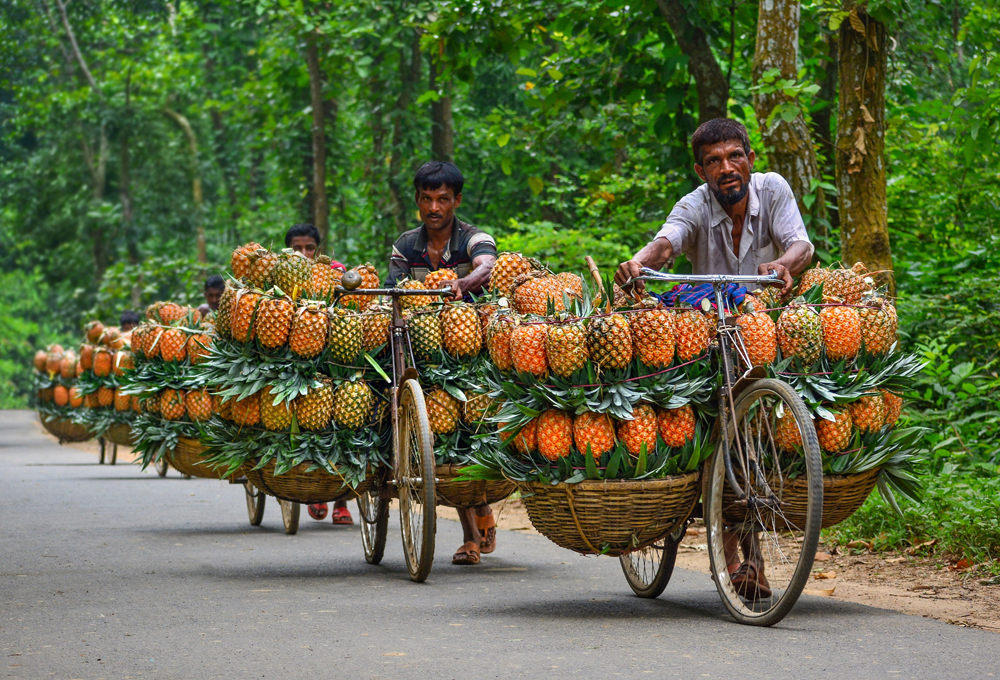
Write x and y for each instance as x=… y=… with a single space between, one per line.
x=454 y=285
x=779 y=270
x=630 y=270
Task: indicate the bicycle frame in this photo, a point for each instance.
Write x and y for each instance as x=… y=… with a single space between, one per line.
x=730 y=340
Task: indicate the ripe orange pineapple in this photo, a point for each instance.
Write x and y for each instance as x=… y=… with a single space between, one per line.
x=841 y=331
x=507 y=268
x=324 y=278
x=240 y=260
x=554 y=432
x=532 y=292
x=60 y=395
x=526 y=441
x=653 y=336
x=498 y=332
x=425 y=332
x=123 y=362
x=103 y=359
x=86 y=358
x=90 y=400
x=310 y=330
x=786 y=433
x=760 y=337
x=527 y=349
x=369 y=279
x=245 y=411
x=224 y=314
x=847 y=284
x=262 y=264
x=353 y=404
x=835 y=436
x=105 y=396
x=813 y=277
x=123 y=402
x=676 y=425
x=243 y=314
x=566 y=347
x=569 y=283
x=273 y=416
x=692 y=330
x=640 y=431
x=609 y=341
x=274 y=321
x=93 y=330
x=879 y=324
x=868 y=413
x=593 y=430
x=435 y=277
x=67 y=367
x=442 y=411
x=199 y=347
x=461 y=333
x=171 y=404
x=375 y=328
x=893 y=406
x=198 y=404
x=75 y=399
x=413 y=301
x=173 y=345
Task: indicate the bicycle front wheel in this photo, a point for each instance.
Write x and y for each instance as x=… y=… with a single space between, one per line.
x=255 y=503
x=374 y=513
x=775 y=458
x=415 y=481
x=290 y=516
x=648 y=570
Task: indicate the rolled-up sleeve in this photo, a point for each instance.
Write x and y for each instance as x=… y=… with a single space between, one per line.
x=787 y=226
x=680 y=225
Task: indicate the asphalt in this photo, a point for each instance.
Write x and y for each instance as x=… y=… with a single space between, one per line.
x=107 y=572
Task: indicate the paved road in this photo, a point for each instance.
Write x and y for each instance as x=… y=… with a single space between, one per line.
x=109 y=573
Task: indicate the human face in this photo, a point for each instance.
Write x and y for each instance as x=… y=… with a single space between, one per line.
x=437 y=207
x=304 y=244
x=212 y=297
x=726 y=169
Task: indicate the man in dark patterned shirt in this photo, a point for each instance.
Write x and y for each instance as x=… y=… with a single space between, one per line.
x=443 y=241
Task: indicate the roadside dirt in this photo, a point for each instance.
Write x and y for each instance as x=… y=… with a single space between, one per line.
x=928 y=586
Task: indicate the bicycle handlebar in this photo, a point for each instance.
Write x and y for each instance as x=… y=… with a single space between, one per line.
x=653 y=275
x=394 y=292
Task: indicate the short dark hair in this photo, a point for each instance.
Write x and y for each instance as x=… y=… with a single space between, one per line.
x=435 y=173
x=719 y=130
x=129 y=317
x=215 y=282
x=303 y=229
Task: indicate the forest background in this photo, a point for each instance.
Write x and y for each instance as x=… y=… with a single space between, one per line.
x=141 y=140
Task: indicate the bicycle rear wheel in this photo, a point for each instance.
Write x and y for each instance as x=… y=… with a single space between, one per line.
x=290 y=516
x=374 y=513
x=415 y=481
x=777 y=525
x=255 y=503
x=648 y=570
x=161 y=466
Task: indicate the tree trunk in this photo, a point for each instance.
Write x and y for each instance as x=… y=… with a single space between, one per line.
x=98 y=168
x=823 y=119
x=409 y=75
x=442 y=128
x=321 y=210
x=125 y=193
x=185 y=126
x=709 y=80
x=864 y=231
x=790 y=146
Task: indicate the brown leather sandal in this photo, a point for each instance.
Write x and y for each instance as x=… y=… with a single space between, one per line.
x=749 y=583
x=488 y=528
x=468 y=554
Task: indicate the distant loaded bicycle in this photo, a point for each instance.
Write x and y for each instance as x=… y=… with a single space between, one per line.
x=767 y=507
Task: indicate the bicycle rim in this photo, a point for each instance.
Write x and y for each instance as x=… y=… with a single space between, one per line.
x=648 y=570
x=417 y=507
x=374 y=513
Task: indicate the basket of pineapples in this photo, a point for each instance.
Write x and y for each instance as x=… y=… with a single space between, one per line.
x=105 y=354
x=835 y=343
x=298 y=411
x=57 y=398
x=166 y=392
x=602 y=421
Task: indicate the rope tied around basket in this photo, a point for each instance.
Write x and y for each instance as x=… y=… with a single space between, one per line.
x=576 y=521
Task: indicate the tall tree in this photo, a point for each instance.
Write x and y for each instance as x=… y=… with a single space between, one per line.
x=709 y=80
x=790 y=145
x=861 y=179
x=321 y=210
x=442 y=126
x=196 y=190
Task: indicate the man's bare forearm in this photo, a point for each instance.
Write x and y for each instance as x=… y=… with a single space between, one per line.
x=479 y=276
x=796 y=258
x=655 y=254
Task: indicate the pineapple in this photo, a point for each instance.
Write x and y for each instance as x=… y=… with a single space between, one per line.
x=224 y=314
x=676 y=425
x=461 y=333
x=152 y=404
x=485 y=310
x=527 y=349
x=123 y=402
x=760 y=337
x=262 y=264
x=245 y=411
x=375 y=328
x=310 y=330
x=498 y=332
x=813 y=277
x=173 y=345
x=243 y=313
x=841 y=331
x=893 y=406
x=478 y=407
x=93 y=330
x=692 y=331
x=847 y=284
x=123 y=362
x=75 y=400
x=292 y=274
x=526 y=441
x=878 y=326
x=90 y=400
x=346 y=336
x=442 y=411
x=653 y=335
x=425 y=333
x=532 y=292
x=60 y=395
x=136 y=404
x=198 y=404
x=800 y=333
x=369 y=279
x=593 y=430
x=240 y=260
x=566 y=347
x=835 y=436
x=274 y=416
x=786 y=433
x=324 y=278
x=67 y=367
x=640 y=431
x=507 y=268
x=103 y=359
x=40 y=357
x=571 y=284
x=554 y=433
x=86 y=358
x=199 y=347
x=439 y=276
x=413 y=301
x=172 y=404
x=609 y=341
x=353 y=403
x=868 y=413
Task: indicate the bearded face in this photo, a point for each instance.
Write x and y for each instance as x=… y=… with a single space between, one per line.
x=726 y=168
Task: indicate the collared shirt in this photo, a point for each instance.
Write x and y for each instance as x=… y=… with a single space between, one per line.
x=699 y=227
x=410 y=259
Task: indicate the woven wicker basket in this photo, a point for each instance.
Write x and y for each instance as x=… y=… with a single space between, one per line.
x=472 y=494
x=610 y=517
x=66 y=430
x=299 y=486
x=842 y=496
x=187 y=459
x=119 y=433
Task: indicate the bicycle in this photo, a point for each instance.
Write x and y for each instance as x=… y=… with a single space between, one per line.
x=412 y=476
x=750 y=499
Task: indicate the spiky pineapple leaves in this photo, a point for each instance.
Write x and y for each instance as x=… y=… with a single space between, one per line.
x=99 y=420
x=154 y=437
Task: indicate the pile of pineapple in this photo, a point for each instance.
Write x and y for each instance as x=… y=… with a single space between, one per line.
x=56 y=394
x=103 y=357
x=159 y=379
x=579 y=376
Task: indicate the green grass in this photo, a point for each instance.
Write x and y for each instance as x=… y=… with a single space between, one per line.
x=961 y=509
